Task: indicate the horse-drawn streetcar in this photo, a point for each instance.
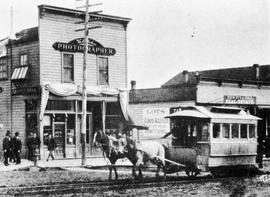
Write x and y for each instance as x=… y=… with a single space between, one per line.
x=214 y=139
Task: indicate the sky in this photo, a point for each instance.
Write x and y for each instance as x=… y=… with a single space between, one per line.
x=166 y=37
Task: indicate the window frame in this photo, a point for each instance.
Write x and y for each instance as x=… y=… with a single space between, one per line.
x=255 y=133
x=222 y=131
x=238 y=131
x=3 y=72
x=219 y=135
x=247 y=131
x=99 y=70
x=25 y=62
x=64 y=67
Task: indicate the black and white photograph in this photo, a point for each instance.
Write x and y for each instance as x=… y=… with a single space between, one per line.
x=132 y=98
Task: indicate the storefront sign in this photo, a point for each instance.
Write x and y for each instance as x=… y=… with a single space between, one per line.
x=240 y=100
x=77 y=45
x=25 y=91
x=154 y=119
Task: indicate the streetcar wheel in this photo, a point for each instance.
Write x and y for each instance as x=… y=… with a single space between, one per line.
x=191 y=173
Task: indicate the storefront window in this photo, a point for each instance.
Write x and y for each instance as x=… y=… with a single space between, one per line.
x=243 y=131
x=47 y=127
x=114 y=121
x=71 y=129
x=60 y=105
x=31 y=105
x=252 y=131
x=216 y=130
x=235 y=130
x=226 y=130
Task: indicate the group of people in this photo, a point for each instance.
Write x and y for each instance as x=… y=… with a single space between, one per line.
x=33 y=144
x=12 y=147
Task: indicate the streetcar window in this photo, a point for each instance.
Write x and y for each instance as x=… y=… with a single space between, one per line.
x=235 y=130
x=243 y=131
x=216 y=130
x=226 y=130
x=252 y=131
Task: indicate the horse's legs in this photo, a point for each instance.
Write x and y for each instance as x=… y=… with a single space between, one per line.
x=158 y=169
x=140 y=172
x=110 y=173
x=115 y=172
x=134 y=171
x=164 y=171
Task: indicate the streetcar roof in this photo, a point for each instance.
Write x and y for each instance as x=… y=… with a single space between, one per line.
x=187 y=113
x=202 y=112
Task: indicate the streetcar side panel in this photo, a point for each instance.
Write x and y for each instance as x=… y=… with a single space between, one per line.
x=233 y=143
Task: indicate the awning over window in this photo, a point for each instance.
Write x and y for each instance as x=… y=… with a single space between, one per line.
x=19 y=73
x=66 y=89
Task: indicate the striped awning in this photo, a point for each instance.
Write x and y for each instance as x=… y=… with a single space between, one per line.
x=19 y=73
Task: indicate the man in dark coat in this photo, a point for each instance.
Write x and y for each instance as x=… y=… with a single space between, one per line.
x=51 y=146
x=6 y=147
x=17 y=148
x=12 y=154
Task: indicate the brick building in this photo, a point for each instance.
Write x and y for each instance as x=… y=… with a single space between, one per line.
x=41 y=79
x=245 y=87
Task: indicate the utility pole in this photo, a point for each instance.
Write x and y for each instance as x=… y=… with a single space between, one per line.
x=84 y=93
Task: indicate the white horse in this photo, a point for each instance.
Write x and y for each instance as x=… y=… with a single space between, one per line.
x=141 y=152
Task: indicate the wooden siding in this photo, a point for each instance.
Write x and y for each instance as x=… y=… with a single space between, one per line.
x=55 y=28
x=32 y=50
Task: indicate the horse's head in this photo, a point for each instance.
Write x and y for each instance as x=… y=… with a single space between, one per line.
x=100 y=138
x=110 y=145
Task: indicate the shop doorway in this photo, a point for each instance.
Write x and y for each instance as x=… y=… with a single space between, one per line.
x=59 y=136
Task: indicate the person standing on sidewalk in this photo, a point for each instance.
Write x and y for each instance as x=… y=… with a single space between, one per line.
x=35 y=145
x=12 y=154
x=6 y=147
x=51 y=146
x=17 y=148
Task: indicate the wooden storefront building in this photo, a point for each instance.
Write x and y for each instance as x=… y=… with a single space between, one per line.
x=41 y=79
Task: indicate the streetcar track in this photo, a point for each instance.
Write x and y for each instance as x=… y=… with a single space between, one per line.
x=92 y=186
